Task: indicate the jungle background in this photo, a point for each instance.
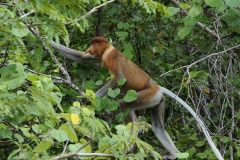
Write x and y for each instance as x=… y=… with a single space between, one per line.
x=47 y=106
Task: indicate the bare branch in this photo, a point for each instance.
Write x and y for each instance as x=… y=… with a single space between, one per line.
x=208 y=56
x=83 y=155
x=214 y=54
x=96 y=8
x=27 y=14
x=91 y=11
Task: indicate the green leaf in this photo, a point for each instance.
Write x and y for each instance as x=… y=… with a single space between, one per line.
x=182 y=155
x=233 y=3
x=12 y=76
x=238 y=150
x=202 y=155
x=36 y=128
x=114 y=93
x=43 y=146
x=76 y=104
x=183 y=32
x=121 y=130
x=19 y=138
x=214 y=3
x=128 y=54
x=122 y=34
x=237 y=115
x=13 y=153
x=88 y=85
x=191 y=151
x=225 y=139
x=59 y=135
x=184 y=5
x=5 y=133
x=70 y=131
x=173 y=11
x=101 y=103
x=26 y=133
x=195 y=11
x=193 y=74
x=137 y=15
x=200 y=143
x=75 y=147
x=112 y=105
x=232 y=17
x=190 y=21
x=122 y=25
x=204 y=45
x=131 y=96
x=20 y=30
x=99 y=82
x=86 y=111
x=121 y=81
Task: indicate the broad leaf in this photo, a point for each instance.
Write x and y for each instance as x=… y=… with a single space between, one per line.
x=182 y=155
x=121 y=81
x=43 y=146
x=233 y=3
x=70 y=131
x=183 y=32
x=195 y=11
x=131 y=96
x=59 y=135
x=76 y=147
x=114 y=93
x=112 y=105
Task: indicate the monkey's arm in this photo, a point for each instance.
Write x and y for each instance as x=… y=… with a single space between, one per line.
x=103 y=91
x=113 y=83
x=72 y=54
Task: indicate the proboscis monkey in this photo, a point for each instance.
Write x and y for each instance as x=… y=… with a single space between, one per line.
x=149 y=94
x=137 y=79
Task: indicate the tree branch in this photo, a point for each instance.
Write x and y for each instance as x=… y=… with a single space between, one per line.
x=91 y=11
x=83 y=155
x=57 y=80
x=208 y=56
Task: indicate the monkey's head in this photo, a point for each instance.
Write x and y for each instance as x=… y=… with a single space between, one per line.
x=99 y=45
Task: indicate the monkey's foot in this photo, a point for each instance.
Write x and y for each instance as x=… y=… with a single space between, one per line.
x=169 y=158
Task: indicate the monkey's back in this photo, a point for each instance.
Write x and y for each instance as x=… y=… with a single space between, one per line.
x=137 y=79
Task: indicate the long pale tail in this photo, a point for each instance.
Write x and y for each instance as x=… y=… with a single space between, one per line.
x=200 y=122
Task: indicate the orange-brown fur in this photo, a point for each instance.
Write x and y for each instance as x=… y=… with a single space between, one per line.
x=118 y=65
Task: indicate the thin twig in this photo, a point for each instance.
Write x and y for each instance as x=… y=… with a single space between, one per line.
x=27 y=14
x=208 y=56
x=91 y=11
x=65 y=147
x=84 y=146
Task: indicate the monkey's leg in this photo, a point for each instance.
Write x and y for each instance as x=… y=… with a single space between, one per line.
x=146 y=98
x=159 y=131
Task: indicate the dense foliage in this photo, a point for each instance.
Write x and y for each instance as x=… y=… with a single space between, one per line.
x=47 y=103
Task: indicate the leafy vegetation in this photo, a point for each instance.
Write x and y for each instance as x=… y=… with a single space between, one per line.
x=47 y=104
